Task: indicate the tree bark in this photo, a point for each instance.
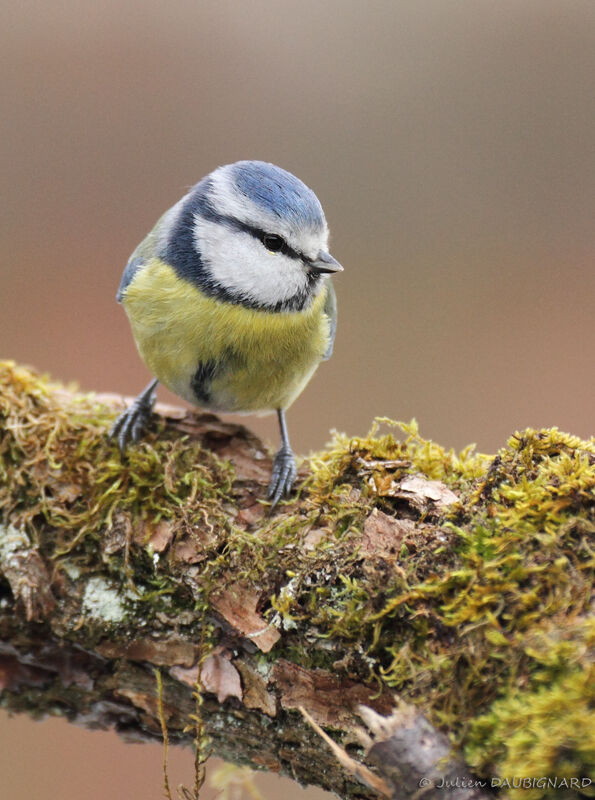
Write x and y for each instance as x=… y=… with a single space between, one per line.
x=167 y=558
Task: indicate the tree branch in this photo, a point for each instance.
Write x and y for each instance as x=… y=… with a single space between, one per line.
x=397 y=568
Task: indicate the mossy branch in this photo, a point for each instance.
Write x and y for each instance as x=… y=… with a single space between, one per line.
x=454 y=588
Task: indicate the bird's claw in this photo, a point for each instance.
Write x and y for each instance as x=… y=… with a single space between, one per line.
x=132 y=422
x=283 y=475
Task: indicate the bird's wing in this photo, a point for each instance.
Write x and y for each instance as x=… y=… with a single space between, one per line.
x=145 y=250
x=134 y=263
x=330 y=309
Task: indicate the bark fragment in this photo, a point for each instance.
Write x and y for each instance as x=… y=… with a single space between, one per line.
x=331 y=701
x=416 y=759
x=26 y=572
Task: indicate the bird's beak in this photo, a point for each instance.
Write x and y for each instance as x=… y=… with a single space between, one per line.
x=325 y=263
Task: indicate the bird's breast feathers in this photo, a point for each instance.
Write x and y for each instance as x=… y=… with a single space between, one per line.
x=219 y=355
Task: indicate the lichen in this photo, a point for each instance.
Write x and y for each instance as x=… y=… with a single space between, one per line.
x=11 y=541
x=103 y=602
x=480 y=618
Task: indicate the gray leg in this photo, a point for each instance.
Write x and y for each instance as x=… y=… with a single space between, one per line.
x=131 y=423
x=284 y=468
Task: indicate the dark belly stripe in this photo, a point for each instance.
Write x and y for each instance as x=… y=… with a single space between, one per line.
x=201 y=381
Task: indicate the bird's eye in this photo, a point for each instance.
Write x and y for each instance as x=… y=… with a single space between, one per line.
x=273 y=242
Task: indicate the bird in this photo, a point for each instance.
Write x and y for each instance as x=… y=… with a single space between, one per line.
x=230 y=301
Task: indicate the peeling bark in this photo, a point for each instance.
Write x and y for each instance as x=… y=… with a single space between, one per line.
x=248 y=716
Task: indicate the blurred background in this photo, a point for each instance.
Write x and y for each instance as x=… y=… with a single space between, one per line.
x=452 y=145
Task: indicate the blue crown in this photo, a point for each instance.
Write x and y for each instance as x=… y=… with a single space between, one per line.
x=279 y=193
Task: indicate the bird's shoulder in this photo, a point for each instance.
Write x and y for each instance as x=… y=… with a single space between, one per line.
x=149 y=247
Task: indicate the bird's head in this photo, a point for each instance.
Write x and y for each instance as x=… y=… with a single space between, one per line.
x=252 y=233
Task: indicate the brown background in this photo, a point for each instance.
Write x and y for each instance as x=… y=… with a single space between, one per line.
x=452 y=145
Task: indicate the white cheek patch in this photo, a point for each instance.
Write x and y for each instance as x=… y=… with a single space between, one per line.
x=230 y=203
x=241 y=264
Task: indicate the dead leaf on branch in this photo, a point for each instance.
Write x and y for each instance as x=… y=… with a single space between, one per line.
x=219 y=676
x=422 y=494
x=237 y=605
x=383 y=535
x=256 y=694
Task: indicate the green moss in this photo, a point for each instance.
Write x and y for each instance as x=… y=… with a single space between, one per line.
x=480 y=617
x=58 y=467
x=547 y=732
x=82 y=480
x=489 y=616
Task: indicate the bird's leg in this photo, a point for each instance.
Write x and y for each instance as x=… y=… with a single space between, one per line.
x=131 y=423
x=284 y=468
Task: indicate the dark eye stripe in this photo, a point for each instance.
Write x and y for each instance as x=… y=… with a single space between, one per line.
x=261 y=235
x=207 y=212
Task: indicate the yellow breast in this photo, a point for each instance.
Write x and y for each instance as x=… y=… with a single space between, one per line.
x=265 y=358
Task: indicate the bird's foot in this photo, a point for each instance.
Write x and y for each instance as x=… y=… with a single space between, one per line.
x=283 y=476
x=132 y=422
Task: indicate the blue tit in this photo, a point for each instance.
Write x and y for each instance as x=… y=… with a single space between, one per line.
x=230 y=302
